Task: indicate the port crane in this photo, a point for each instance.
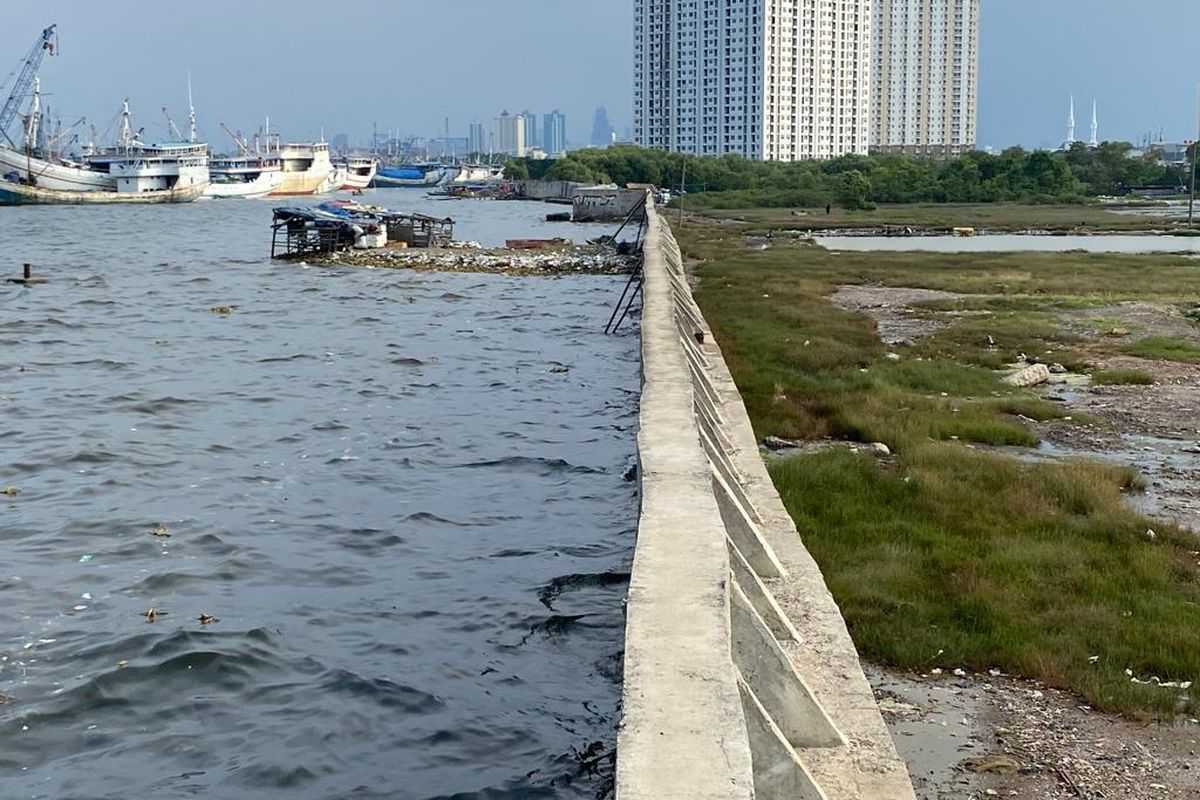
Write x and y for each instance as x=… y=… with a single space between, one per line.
x=26 y=73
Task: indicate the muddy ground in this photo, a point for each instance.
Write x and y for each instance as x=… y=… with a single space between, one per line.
x=978 y=736
x=970 y=736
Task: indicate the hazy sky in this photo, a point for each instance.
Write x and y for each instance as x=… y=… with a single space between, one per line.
x=407 y=64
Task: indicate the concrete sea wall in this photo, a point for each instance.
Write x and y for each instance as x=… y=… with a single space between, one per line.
x=740 y=677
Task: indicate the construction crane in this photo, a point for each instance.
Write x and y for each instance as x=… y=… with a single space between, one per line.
x=171 y=123
x=238 y=140
x=46 y=43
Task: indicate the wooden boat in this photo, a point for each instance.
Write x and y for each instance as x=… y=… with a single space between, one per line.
x=19 y=194
x=360 y=171
x=306 y=168
x=245 y=176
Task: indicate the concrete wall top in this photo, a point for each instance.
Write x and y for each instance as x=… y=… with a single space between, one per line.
x=740 y=677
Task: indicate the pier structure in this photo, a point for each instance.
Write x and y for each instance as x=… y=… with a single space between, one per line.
x=741 y=680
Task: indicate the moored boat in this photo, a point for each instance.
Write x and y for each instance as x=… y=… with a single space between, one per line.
x=402 y=175
x=306 y=168
x=19 y=194
x=246 y=176
x=360 y=171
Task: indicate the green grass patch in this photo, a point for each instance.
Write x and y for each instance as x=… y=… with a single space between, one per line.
x=964 y=559
x=1122 y=377
x=1031 y=568
x=1164 y=348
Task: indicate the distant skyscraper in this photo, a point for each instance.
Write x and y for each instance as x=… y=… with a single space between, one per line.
x=602 y=129
x=768 y=79
x=477 y=139
x=532 y=135
x=340 y=143
x=1095 y=140
x=554 y=133
x=510 y=134
x=925 y=76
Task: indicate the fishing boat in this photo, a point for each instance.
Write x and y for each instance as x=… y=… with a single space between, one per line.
x=139 y=167
x=20 y=194
x=401 y=175
x=245 y=176
x=306 y=168
x=360 y=171
x=249 y=174
x=37 y=159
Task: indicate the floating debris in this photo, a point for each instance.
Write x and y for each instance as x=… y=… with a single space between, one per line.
x=5 y=699
x=222 y=311
x=161 y=532
x=153 y=614
x=208 y=619
x=10 y=491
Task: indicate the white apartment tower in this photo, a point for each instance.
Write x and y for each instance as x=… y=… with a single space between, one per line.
x=925 y=76
x=510 y=134
x=767 y=79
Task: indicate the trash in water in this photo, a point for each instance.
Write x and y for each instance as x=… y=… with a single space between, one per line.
x=10 y=491
x=86 y=558
x=208 y=619
x=153 y=614
x=161 y=531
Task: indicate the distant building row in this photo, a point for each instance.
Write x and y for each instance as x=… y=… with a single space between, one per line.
x=806 y=79
x=520 y=134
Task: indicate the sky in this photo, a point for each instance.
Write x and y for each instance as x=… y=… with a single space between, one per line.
x=409 y=64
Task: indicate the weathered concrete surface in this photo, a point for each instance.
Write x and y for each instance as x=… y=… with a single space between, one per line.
x=683 y=734
x=604 y=205
x=740 y=677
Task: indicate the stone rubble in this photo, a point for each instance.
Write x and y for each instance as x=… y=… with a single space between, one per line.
x=464 y=257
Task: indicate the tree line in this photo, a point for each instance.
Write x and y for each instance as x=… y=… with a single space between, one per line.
x=854 y=181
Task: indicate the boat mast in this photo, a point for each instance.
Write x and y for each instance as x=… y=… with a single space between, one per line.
x=125 y=137
x=191 y=113
x=33 y=121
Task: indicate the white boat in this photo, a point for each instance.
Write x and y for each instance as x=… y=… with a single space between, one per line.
x=306 y=169
x=360 y=171
x=36 y=163
x=138 y=167
x=18 y=194
x=247 y=176
x=338 y=175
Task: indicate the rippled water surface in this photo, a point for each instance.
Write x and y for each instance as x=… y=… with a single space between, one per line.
x=404 y=496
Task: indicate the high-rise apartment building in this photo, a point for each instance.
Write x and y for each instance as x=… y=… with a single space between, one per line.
x=477 y=138
x=510 y=134
x=533 y=137
x=925 y=76
x=554 y=133
x=767 y=79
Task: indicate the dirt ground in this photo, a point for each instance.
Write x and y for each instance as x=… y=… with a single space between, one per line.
x=969 y=737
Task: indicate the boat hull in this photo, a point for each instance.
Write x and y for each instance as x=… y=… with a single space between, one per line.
x=60 y=177
x=266 y=183
x=393 y=178
x=17 y=194
x=358 y=181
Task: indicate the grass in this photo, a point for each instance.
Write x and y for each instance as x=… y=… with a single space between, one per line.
x=965 y=559
x=1030 y=568
x=1164 y=348
x=1122 y=377
x=989 y=216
